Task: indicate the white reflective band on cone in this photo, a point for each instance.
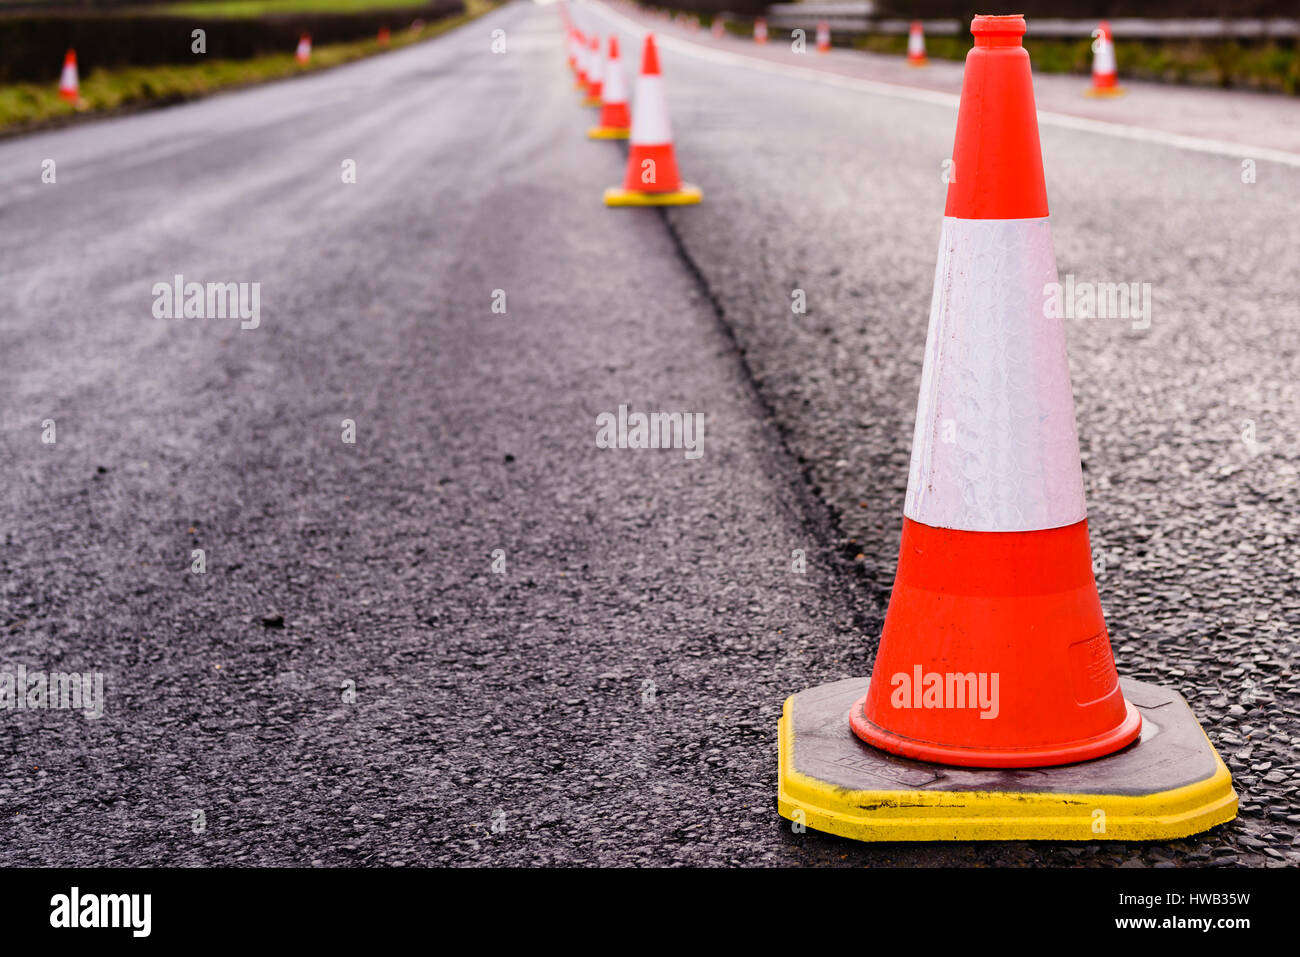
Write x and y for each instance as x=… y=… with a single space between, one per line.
x=995 y=448
x=1104 y=62
x=613 y=90
x=69 y=78
x=650 y=113
x=597 y=65
x=915 y=43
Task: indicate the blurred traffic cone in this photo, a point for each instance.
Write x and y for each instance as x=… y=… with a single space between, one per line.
x=580 y=59
x=760 y=30
x=916 y=45
x=303 y=53
x=383 y=36
x=614 y=120
x=1105 y=82
x=994 y=651
x=595 y=72
x=652 y=177
x=719 y=28
x=69 y=85
x=823 y=37
x=570 y=56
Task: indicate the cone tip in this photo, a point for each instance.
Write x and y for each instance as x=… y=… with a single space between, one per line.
x=997 y=145
x=998 y=30
x=650 y=57
x=613 y=47
x=987 y=25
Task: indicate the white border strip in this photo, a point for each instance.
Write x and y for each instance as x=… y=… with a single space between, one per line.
x=1196 y=144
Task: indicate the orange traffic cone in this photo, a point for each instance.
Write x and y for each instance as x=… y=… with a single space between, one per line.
x=569 y=50
x=614 y=118
x=383 y=36
x=580 y=60
x=303 y=53
x=595 y=72
x=69 y=85
x=719 y=28
x=652 y=177
x=1105 y=81
x=760 y=30
x=916 y=45
x=994 y=651
x=823 y=37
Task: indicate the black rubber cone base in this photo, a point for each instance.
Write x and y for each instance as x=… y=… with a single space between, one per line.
x=1167 y=784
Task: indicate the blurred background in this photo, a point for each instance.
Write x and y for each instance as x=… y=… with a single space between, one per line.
x=132 y=51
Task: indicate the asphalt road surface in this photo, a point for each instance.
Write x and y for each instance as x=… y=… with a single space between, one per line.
x=349 y=681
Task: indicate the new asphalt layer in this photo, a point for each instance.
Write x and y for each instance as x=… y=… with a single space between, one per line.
x=472 y=636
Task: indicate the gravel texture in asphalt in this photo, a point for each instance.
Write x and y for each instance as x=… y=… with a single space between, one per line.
x=351 y=682
x=1188 y=427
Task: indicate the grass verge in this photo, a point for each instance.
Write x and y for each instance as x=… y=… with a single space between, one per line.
x=259 y=8
x=1269 y=66
x=1225 y=64
x=29 y=106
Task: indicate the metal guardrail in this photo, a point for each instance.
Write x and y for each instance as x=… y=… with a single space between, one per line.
x=857 y=16
x=1180 y=29
x=850 y=8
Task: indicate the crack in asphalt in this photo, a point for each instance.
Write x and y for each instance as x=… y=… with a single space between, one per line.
x=822 y=518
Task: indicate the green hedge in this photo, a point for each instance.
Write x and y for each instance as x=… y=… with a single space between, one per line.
x=1088 y=9
x=710 y=8
x=32 y=45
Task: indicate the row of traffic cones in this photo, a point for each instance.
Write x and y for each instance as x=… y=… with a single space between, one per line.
x=994 y=709
x=1104 y=73
x=70 y=83
x=994 y=654
x=915 y=39
x=652 y=177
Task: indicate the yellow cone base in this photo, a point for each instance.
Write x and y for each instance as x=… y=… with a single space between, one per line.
x=918 y=63
x=1168 y=784
x=609 y=132
x=1105 y=93
x=686 y=196
x=591 y=101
